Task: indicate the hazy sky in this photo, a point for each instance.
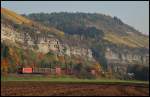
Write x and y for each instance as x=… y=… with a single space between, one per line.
x=134 y=13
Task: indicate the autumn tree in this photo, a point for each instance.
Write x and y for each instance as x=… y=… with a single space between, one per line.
x=61 y=59
x=4 y=59
x=14 y=55
x=4 y=66
x=109 y=73
x=97 y=68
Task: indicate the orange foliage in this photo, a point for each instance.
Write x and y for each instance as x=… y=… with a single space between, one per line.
x=40 y=55
x=61 y=59
x=4 y=62
x=4 y=66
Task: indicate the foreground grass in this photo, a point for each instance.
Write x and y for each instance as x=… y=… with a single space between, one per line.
x=67 y=79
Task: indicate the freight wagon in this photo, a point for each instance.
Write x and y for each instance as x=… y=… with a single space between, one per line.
x=56 y=70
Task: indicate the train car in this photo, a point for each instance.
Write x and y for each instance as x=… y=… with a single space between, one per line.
x=30 y=70
x=42 y=70
x=27 y=70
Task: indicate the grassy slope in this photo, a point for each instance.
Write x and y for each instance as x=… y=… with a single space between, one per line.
x=14 y=16
x=131 y=40
x=22 y=20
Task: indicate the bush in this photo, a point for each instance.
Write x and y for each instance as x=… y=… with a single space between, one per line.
x=140 y=72
x=83 y=72
x=86 y=74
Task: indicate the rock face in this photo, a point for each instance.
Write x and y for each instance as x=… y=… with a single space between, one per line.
x=126 y=58
x=7 y=34
x=51 y=43
x=119 y=62
x=44 y=44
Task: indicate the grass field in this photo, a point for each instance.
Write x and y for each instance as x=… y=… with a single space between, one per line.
x=29 y=85
x=68 y=79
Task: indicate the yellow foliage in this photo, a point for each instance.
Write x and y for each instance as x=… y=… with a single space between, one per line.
x=14 y=55
x=22 y=20
x=132 y=40
x=14 y=16
x=97 y=67
x=61 y=33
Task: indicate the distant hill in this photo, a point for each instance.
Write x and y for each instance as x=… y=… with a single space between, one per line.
x=114 y=29
x=78 y=41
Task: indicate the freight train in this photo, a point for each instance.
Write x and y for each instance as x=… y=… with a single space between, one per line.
x=30 y=70
x=34 y=70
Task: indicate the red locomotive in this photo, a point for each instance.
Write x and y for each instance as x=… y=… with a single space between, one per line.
x=25 y=70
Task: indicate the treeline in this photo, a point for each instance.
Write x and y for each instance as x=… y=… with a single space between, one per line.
x=13 y=58
x=64 y=20
x=69 y=23
x=140 y=72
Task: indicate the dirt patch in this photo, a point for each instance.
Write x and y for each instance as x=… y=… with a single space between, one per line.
x=68 y=89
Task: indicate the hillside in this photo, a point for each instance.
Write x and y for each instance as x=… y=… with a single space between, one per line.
x=14 y=17
x=75 y=42
x=132 y=40
x=35 y=45
x=20 y=20
x=114 y=29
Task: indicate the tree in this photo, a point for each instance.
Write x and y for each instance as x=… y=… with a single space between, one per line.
x=61 y=59
x=141 y=72
x=99 y=55
x=77 y=68
x=97 y=68
x=4 y=66
x=4 y=51
x=109 y=73
x=13 y=55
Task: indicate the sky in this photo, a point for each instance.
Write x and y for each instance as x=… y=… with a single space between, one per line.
x=134 y=13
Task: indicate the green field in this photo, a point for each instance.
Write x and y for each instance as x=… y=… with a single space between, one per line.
x=67 y=79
